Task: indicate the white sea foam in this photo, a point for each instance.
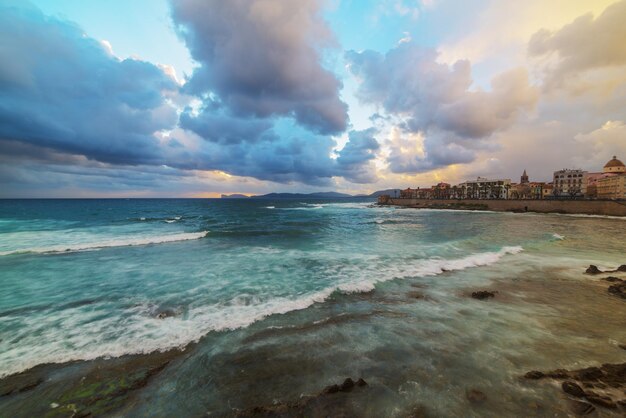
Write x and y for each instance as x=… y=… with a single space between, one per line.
x=108 y=243
x=582 y=215
x=270 y=207
x=558 y=236
x=140 y=332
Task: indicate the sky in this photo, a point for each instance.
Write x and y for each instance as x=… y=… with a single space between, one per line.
x=198 y=98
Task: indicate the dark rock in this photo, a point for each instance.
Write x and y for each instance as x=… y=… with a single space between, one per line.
x=416 y=295
x=558 y=374
x=361 y=382
x=573 y=389
x=622 y=268
x=622 y=403
x=483 y=294
x=593 y=270
x=603 y=401
x=165 y=314
x=612 y=279
x=622 y=346
x=534 y=375
x=19 y=383
x=581 y=408
x=331 y=389
x=618 y=290
x=590 y=373
x=475 y=396
x=347 y=385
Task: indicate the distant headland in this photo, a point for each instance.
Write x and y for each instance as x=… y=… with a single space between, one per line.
x=318 y=195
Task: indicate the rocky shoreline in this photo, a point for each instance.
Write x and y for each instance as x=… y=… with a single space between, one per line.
x=107 y=386
x=83 y=388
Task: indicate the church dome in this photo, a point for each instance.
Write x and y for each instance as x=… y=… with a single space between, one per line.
x=614 y=166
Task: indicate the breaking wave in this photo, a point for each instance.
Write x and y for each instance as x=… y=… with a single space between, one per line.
x=143 y=333
x=116 y=242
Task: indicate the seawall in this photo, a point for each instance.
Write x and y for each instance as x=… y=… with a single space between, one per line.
x=586 y=207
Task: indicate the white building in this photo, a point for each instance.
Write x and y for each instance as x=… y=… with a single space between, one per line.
x=570 y=183
x=484 y=188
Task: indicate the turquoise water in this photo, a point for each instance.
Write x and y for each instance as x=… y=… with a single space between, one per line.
x=83 y=279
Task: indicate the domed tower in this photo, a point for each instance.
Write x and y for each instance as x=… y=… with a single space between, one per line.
x=614 y=166
x=524 y=178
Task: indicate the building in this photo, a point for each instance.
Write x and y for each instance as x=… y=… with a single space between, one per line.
x=547 y=191
x=524 y=178
x=613 y=187
x=611 y=183
x=569 y=183
x=614 y=166
x=483 y=188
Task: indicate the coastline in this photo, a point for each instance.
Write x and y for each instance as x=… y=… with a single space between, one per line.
x=571 y=207
x=118 y=386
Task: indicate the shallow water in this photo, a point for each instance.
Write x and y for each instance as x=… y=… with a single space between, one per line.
x=286 y=297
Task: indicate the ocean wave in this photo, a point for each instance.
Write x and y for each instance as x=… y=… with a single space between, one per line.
x=143 y=333
x=115 y=242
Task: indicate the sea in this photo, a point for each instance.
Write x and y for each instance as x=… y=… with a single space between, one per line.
x=273 y=300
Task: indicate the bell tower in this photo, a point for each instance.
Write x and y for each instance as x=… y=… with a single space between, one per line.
x=524 y=178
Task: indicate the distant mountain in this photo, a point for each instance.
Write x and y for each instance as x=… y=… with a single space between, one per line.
x=319 y=195
x=234 y=196
x=390 y=192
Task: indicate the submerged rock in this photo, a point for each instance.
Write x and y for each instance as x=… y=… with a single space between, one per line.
x=361 y=382
x=582 y=408
x=573 y=389
x=483 y=294
x=612 y=279
x=166 y=313
x=331 y=389
x=609 y=381
x=593 y=270
x=534 y=375
x=603 y=401
x=622 y=268
x=347 y=385
x=475 y=396
x=590 y=373
x=618 y=289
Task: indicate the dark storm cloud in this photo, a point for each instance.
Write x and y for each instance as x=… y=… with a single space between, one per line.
x=435 y=101
x=262 y=58
x=217 y=127
x=355 y=159
x=267 y=109
x=62 y=90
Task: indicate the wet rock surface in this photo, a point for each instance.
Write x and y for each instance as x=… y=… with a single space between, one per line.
x=333 y=401
x=593 y=270
x=483 y=294
x=618 y=289
x=475 y=396
x=86 y=389
x=603 y=386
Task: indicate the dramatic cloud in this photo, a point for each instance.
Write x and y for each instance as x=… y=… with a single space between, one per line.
x=262 y=58
x=355 y=160
x=435 y=100
x=585 y=44
x=64 y=90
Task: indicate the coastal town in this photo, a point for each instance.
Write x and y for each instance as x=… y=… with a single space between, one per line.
x=607 y=184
